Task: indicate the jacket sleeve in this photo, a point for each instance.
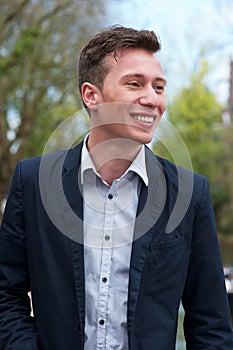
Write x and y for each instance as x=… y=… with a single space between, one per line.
x=17 y=329
x=207 y=323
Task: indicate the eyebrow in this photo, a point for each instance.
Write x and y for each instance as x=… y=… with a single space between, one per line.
x=140 y=76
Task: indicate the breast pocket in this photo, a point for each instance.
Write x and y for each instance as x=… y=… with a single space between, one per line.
x=166 y=268
x=167 y=252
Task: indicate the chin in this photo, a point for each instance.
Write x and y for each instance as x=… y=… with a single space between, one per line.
x=142 y=138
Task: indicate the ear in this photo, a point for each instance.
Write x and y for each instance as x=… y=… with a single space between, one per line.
x=91 y=95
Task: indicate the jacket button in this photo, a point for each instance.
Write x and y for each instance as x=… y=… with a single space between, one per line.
x=101 y=322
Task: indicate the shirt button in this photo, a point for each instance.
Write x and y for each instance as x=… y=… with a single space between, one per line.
x=110 y=196
x=101 y=322
x=107 y=237
x=104 y=279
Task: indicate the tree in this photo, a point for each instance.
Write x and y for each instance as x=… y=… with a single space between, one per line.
x=197 y=116
x=40 y=41
x=225 y=211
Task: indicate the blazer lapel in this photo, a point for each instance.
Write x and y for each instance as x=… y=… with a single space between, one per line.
x=151 y=204
x=73 y=216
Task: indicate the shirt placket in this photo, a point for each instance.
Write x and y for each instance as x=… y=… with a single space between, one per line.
x=105 y=271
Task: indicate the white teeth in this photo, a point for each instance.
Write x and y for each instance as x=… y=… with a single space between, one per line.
x=143 y=118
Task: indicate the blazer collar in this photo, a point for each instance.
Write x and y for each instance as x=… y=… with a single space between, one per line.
x=73 y=158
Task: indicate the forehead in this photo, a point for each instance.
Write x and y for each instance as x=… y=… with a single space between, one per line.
x=135 y=60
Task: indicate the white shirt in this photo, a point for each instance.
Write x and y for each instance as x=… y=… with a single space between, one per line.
x=109 y=215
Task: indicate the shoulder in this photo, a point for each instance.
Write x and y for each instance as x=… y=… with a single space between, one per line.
x=173 y=170
x=180 y=178
x=55 y=161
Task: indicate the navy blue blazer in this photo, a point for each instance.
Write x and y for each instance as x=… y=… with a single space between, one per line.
x=175 y=256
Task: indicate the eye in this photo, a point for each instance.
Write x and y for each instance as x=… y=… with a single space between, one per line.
x=159 y=88
x=133 y=83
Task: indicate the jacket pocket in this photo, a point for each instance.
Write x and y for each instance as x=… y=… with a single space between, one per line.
x=167 y=251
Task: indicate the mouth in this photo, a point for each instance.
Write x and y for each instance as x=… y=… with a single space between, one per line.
x=143 y=118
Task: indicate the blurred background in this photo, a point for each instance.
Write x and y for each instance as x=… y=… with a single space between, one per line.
x=40 y=41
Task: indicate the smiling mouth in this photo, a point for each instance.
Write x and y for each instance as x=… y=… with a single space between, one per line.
x=143 y=118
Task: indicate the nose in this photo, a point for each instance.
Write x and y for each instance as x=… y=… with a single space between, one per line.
x=150 y=98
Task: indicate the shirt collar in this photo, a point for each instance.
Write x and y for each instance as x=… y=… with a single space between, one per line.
x=138 y=166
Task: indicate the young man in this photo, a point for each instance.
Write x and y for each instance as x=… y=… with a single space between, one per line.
x=105 y=268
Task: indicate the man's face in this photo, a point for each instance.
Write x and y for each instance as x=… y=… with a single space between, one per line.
x=132 y=100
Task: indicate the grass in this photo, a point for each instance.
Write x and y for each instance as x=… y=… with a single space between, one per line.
x=180 y=342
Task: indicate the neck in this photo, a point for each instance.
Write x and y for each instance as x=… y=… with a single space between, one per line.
x=112 y=157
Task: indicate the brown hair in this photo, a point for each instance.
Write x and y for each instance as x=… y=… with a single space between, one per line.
x=92 y=65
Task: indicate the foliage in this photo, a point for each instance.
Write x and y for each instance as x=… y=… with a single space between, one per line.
x=197 y=116
x=225 y=211
x=40 y=42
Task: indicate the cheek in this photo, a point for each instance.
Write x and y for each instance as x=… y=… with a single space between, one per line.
x=110 y=96
x=163 y=104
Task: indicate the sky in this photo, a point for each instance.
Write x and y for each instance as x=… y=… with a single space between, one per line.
x=190 y=30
